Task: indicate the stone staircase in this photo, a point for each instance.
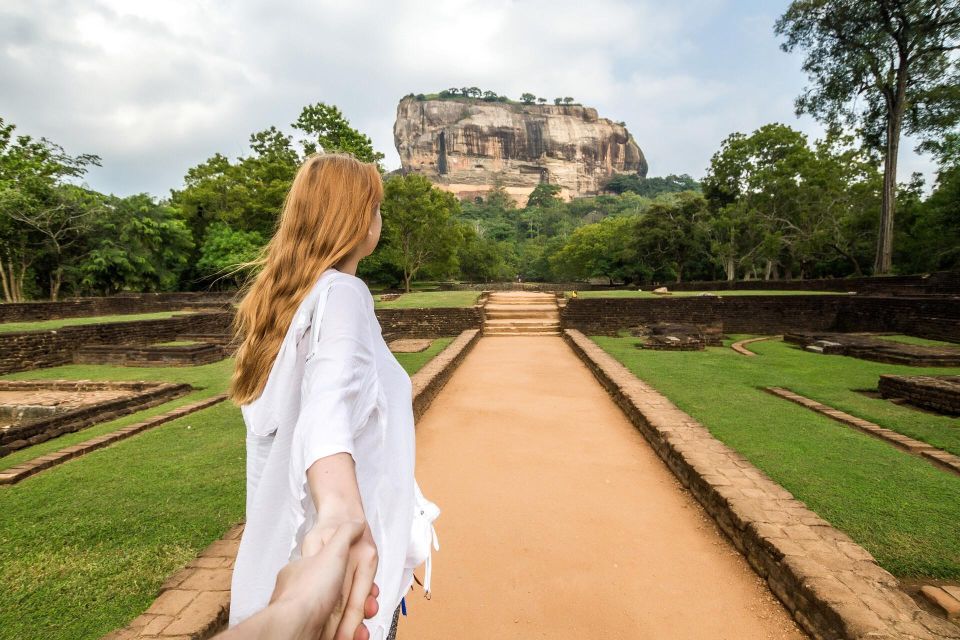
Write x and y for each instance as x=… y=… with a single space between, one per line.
x=521 y=313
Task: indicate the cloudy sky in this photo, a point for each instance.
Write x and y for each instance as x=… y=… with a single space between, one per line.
x=157 y=87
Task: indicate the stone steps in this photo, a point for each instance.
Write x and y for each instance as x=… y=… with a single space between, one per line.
x=523 y=314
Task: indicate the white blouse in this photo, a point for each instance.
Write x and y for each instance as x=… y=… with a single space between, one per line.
x=341 y=390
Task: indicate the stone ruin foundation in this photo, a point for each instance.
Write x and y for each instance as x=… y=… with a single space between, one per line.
x=154 y=355
x=867 y=346
x=33 y=411
x=409 y=345
x=674 y=336
x=936 y=393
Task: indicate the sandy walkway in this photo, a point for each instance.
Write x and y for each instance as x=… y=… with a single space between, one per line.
x=560 y=522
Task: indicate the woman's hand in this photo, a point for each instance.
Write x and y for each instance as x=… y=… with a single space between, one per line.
x=358 y=594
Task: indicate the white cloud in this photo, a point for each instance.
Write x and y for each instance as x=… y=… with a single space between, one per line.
x=155 y=88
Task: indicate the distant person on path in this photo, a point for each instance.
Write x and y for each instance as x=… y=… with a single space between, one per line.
x=327 y=408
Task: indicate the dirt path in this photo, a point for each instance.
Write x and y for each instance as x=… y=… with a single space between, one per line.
x=559 y=521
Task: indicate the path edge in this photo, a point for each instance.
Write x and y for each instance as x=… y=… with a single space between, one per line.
x=831 y=585
x=194 y=602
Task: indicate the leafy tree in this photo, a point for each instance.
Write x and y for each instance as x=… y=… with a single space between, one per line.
x=419 y=221
x=527 y=98
x=481 y=259
x=671 y=235
x=568 y=100
x=328 y=129
x=888 y=66
x=136 y=244
x=557 y=101
x=604 y=249
x=544 y=195
x=223 y=248
x=38 y=209
x=541 y=100
x=650 y=187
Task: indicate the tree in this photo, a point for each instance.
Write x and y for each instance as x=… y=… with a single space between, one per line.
x=541 y=100
x=419 y=222
x=557 y=101
x=671 y=234
x=897 y=58
x=604 y=249
x=223 y=248
x=544 y=195
x=650 y=187
x=489 y=96
x=527 y=98
x=38 y=209
x=136 y=244
x=329 y=130
x=567 y=100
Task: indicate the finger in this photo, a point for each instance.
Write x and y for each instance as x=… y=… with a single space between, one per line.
x=332 y=628
x=362 y=633
x=375 y=590
x=353 y=611
x=370 y=607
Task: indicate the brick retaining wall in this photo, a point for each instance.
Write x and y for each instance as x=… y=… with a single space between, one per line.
x=110 y=305
x=429 y=323
x=27 y=350
x=937 y=318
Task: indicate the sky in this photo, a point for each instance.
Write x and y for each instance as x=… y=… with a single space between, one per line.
x=155 y=88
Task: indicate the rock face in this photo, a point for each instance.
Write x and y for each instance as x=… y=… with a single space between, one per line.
x=464 y=146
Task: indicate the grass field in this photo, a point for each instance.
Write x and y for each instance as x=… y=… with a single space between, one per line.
x=647 y=293
x=84 y=546
x=901 y=508
x=428 y=299
x=923 y=342
x=13 y=327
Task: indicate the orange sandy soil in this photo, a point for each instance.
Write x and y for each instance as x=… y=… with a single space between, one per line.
x=559 y=521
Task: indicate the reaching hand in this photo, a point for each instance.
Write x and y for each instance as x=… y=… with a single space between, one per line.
x=317 y=580
x=356 y=598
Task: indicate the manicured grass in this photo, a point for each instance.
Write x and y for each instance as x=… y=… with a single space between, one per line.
x=13 y=327
x=904 y=510
x=428 y=299
x=175 y=343
x=647 y=293
x=207 y=380
x=85 y=546
x=413 y=361
x=923 y=342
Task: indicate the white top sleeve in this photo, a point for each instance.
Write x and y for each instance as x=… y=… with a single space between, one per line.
x=340 y=385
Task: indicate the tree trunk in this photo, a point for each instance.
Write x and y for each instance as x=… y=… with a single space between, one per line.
x=883 y=263
x=406 y=281
x=731 y=268
x=56 y=279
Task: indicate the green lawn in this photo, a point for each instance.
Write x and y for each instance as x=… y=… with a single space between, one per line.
x=923 y=342
x=12 y=327
x=428 y=299
x=85 y=546
x=647 y=293
x=901 y=508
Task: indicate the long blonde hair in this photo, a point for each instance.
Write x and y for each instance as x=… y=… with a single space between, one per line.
x=326 y=214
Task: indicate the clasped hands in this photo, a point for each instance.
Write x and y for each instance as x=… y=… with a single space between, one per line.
x=325 y=594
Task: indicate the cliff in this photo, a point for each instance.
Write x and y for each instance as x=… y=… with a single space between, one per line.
x=465 y=145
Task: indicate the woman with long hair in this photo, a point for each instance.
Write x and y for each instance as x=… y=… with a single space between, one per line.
x=327 y=408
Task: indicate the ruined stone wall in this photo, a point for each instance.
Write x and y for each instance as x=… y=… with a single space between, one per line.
x=937 y=318
x=110 y=305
